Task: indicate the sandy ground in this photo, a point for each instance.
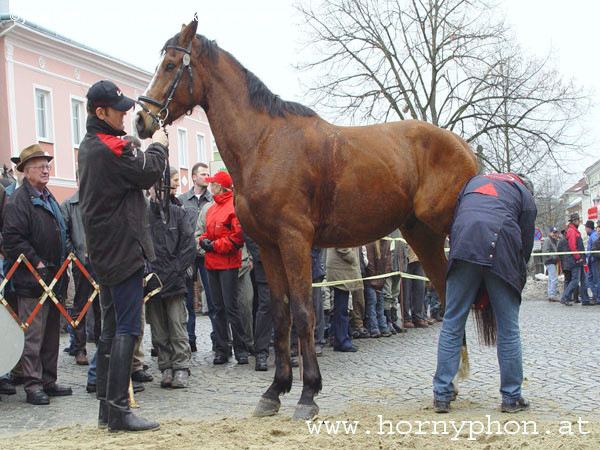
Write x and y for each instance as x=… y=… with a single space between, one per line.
x=410 y=428
x=468 y=426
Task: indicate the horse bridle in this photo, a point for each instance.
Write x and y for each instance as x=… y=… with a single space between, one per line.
x=161 y=117
x=163 y=190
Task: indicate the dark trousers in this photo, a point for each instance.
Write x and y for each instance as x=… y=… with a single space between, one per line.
x=122 y=306
x=264 y=321
x=83 y=290
x=414 y=294
x=575 y=295
x=189 y=301
x=223 y=288
x=340 y=321
x=40 y=353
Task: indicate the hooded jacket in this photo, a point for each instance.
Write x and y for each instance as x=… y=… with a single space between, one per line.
x=224 y=229
x=174 y=247
x=112 y=205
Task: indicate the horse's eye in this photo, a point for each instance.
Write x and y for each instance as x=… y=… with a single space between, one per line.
x=170 y=67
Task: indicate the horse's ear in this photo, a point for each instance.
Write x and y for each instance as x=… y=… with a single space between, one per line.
x=188 y=32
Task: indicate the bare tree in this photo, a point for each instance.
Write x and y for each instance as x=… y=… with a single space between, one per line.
x=448 y=62
x=551 y=206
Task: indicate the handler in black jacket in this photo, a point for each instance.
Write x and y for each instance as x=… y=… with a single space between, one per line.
x=490 y=243
x=115 y=219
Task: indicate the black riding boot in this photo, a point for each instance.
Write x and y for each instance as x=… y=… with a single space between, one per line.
x=396 y=324
x=120 y=417
x=102 y=363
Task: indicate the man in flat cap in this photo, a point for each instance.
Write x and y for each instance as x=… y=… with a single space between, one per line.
x=34 y=226
x=114 y=215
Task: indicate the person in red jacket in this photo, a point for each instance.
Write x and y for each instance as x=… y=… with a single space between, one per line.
x=577 y=272
x=223 y=241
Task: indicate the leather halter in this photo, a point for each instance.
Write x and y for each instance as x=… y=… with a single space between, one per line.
x=163 y=113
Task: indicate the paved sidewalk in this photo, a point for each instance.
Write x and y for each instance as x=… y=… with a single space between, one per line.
x=560 y=351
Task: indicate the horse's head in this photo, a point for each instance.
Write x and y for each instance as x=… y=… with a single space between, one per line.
x=175 y=88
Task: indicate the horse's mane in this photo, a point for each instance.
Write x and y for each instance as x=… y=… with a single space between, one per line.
x=261 y=97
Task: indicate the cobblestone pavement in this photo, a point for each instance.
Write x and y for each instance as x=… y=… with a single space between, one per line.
x=560 y=352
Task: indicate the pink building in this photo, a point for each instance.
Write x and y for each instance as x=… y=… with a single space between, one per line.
x=43 y=81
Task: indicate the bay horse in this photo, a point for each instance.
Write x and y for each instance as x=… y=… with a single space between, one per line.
x=300 y=181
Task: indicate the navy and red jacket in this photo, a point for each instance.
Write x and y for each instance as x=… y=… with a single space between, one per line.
x=112 y=205
x=494 y=224
x=224 y=229
x=575 y=244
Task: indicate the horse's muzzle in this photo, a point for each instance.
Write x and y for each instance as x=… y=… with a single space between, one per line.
x=140 y=125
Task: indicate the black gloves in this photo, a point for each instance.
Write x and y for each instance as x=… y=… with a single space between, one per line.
x=207 y=245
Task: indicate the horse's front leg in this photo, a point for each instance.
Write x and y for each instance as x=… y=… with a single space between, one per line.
x=295 y=254
x=280 y=311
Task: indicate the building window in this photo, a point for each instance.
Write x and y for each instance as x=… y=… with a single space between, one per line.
x=200 y=141
x=77 y=123
x=182 y=146
x=43 y=115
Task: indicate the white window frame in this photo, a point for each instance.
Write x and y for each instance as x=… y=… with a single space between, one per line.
x=201 y=150
x=82 y=118
x=182 y=152
x=49 y=122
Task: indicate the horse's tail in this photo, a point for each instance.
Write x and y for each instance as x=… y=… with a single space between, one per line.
x=464 y=366
x=486 y=324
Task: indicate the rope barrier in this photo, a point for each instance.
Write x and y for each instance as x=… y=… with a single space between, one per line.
x=418 y=277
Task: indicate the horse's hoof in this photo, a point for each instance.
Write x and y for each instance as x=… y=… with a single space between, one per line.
x=305 y=412
x=266 y=407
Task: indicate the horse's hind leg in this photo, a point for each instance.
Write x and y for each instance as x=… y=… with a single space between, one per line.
x=429 y=247
x=280 y=310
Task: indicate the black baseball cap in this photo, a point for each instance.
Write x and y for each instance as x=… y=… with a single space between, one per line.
x=106 y=93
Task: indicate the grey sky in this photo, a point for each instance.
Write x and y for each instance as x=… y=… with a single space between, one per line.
x=264 y=36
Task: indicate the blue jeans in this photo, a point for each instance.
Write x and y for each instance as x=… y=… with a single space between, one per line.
x=377 y=322
x=594 y=280
x=552 y=280
x=339 y=320
x=577 y=276
x=92 y=370
x=462 y=287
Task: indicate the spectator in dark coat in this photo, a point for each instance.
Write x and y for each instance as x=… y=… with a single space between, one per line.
x=83 y=287
x=34 y=227
x=491 y=239
x=193 y=202
x=175 y=250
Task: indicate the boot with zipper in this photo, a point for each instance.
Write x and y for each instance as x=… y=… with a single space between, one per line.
x=102 y=363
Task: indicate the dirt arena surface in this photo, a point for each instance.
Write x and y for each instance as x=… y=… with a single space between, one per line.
x=385 y=387
x=410 y=428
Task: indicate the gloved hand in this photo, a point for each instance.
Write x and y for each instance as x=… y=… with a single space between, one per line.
x=161 y=137
x=580 y=260
x=207 y=245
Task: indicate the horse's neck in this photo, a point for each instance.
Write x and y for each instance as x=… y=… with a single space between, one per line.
x=236 y=125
